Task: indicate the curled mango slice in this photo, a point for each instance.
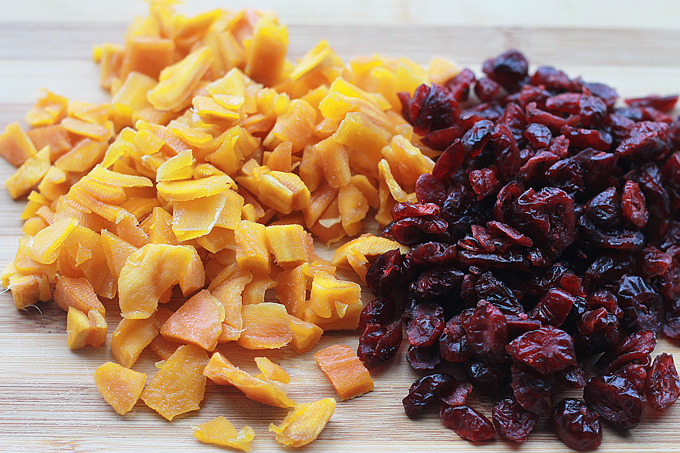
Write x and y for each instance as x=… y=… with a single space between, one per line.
x=220 y=431
x=178 y=387
x=221 y=371
x=304 y=423
x=120 y=386
x=151 y=271
x=347 y=373
x=198 y=321
x=265 y=326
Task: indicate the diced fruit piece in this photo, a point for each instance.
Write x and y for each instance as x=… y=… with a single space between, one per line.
x=220 y=431
x=342 y=366
x=120 y=386
x=198 y=321
x=304 y=423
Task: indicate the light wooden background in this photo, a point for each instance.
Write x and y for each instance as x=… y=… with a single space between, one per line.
x=48 y=401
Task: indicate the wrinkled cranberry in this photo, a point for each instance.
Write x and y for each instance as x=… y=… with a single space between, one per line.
x=430 y=190
x=546 y=350
x=426 y=390
x=467 y=423
x=384 y=273
x=663 y=103
x=534 y=391
x=633 y=205
x=425 y=328
x=453 y=345
x=486 y=331
x=510 y=69
x=377 y=311
x=458 y=395
x=423 y=358
x=615 y=399
x=512 y=421
x=432 y=107
x=459 y=85
x=577 y=425
x=648 y=141
x=378 y=344
x=662 y=386
x=553 y=308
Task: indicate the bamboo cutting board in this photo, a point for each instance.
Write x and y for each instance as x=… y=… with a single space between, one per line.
x=48 y=400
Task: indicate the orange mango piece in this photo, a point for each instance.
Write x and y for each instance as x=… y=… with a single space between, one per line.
x=77 y=293
x=160 y=228
x=83 y=156
x=178 y=167
x=48 y=110
x=152 y=270
x=176 y=82
x=349 y=376
x=304 y=423
x=333 y=159
x=195 y=218
x=368 y=245
x=119 y=386
x=330 y=295
x=55 y=136
x=28 y=289
x=87 y=129
x=198 y=321
x=47 y=243
x=83 y=329
x=191 y=189
x=162 y=347
x=353 y=207
x=291 y=290
x=148 y=55
x=406 y=161
x=280 y=159
x=130 y=338
x=346 y=319
x=271 y=371
x=29 y=174
x=288 y=244
x=179 y=386
x=266 y=56
x=116 y=251
x=255 y=291
x=295 y=125
x=252 y=252
x=15 y=146
x=221 y=371
x=305 y=334
x=265 y=326
x=221 y=432
x=131 y=97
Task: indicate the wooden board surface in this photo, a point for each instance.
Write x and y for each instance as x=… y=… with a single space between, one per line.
x=48 y=401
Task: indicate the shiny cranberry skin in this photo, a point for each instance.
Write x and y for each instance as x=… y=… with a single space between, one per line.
x=577 y=425
x=662 y=386
x=615 y=399
x=467 y=423
x=512 y=421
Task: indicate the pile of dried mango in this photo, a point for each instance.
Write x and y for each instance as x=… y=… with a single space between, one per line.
x=215 y=164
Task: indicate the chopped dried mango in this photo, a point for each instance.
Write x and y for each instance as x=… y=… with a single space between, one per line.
x=130 y=338
x=198 y=321
x=265 y=326
x=304 y=423
x=178 y=387
x=120 y=386
x=347 y=373
x=221 y=371
x=220 y=431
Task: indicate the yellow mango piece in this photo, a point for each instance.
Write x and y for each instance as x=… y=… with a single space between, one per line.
x=348 y=321
x=77 y=328
x=28 y=289
x=229 y=293
x=119 y=386
x=406 y=161
x=177 y=167
x=358 y=262
x=271 y=371
x=395 y=190
x=83 y=156
x=29 y=173
x=130 y=338
x=328 y=293
x=280 y=159
x=353 y=207
x=288 y=244
x=320 y=200
x=221 y=371
x=255 y=291
x=147 y=55
x=252 y=252
x=47 y=243
x=116 y=251
x=295 y=125
x=367 y=188
x=237 y=144
x=347 y=373
x=198 y=321
x=291 y=290
x=89 y=112
x=48 y=110
x=266 y=55
x=131 y=96
x=220 y=431
x=265 y=326
x=15 y=146
x=98 y=328
x=179 y=386
x=194 y=188
x=283 y=191
x=77 y=293
x=197 y=217
x=304 y=423
x=160 y=228
x=176 y=82
x=55 y=136
x=54 y=184
x=230 y=216
x=333 y=159
x=310 y=171
x=152 y=270
x=305 y=334
x=87 y=129
x=369 y=245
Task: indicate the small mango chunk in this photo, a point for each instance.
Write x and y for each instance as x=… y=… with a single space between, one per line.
x=220 y=431
x=271 y=371
x=15 y=146
x=130 y=338
x=77 y=293
x=288 y=244
x=83 y=329
x=47 y=244
x=179 y=386
x=29 y=174
x=331 y=295
x=252 y=252
x=152 y=270
x=305 y=334
x=48 y=110
x=304 y=423
x=368 y=245
x=221 y=371
x=291 y=289
x=120 y=386
x=265 y=326
x=349 y=376
x=198 y=321
x=28 y=289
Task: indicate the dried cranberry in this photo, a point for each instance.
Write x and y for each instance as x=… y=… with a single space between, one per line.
x=633 y=205
x=424 y=329
x=430 y=189
x=430 y=108
x=458 y=395
x=453 y=345
x=426 y=390
x=423 y=358
x=547 y=349
x=377 y=311
x=663 y=103
x=636 y=375
x=467 y=423
x=510 y=69
x=615 y=399
x=573 y=378
x=378 y=344
x=534 y=391
x=553 y=308
x=577 y=425
x=662 y=386
x=460 y=84
x=512 y=421
x=486 y=331
x=648 y=141
x=384 y=273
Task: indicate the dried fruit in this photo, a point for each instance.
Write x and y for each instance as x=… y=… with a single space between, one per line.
x=304 y=423
x=120 y=386
x=345 y=371
x=577 y=425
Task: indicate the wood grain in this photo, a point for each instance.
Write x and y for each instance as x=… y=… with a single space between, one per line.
x=48 y=401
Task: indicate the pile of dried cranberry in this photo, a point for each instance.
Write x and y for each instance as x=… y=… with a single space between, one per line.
x=547 y=234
